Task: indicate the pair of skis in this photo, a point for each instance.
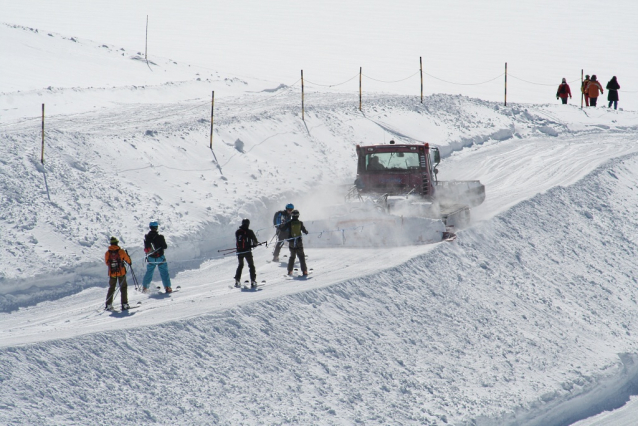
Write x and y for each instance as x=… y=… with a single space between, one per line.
x=297 y=276
x=247 y=287
x=175 y=290
x=119 y=311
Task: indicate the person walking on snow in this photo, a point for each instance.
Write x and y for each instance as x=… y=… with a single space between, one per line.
x=154 y=246
x=295 y=243
x=280 y=220
x=115 y=258
x=594 y=89
x=612 y=92
x=245 y=241
x=584 y=89
x=563 y=91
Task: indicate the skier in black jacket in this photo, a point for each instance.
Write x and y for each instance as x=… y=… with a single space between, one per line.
x=245 y=241
x=154 y=246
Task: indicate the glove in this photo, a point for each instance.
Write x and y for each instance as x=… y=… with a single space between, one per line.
x=306 y=232
x=147 y=250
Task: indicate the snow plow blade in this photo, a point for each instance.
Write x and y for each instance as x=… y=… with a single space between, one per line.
x=375 y=231
x=467 y=192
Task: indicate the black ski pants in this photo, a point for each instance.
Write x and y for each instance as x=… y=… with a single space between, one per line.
x=123 y=290
x=251 y=265
x=294 y=252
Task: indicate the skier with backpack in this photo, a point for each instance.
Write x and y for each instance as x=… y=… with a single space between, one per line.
x=245 y=240
x=280 y=220
x=294 y=229
x=154 y=246
x=115 y=258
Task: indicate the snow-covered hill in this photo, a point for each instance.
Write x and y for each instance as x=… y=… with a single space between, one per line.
x=526 y=319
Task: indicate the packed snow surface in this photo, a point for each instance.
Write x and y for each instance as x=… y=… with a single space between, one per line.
x=527 y=318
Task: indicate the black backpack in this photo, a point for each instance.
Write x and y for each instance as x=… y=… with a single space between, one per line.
x=115 y=261
x=242 y=241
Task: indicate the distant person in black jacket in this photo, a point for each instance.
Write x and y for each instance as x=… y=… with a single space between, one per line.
x=245 y=241
x=612 y=92
x=154 y=246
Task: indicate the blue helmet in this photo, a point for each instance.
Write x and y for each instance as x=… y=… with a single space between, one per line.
x=289 y=206
x=153 y=225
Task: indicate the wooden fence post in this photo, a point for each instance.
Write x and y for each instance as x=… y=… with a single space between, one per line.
x=421 y=68
x=42 y=155
x=360 y=74
x=146 y=44
x=505 y=83
x=212 y=115
x=582 y=95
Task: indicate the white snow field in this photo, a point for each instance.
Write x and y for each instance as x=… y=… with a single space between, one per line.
x=528 y=318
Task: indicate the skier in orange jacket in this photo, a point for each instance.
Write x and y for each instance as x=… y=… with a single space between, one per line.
x=115 y=258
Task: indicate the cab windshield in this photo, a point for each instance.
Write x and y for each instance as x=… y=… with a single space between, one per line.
x=392 y=161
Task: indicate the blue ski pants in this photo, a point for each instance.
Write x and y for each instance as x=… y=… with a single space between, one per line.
x=161 y=264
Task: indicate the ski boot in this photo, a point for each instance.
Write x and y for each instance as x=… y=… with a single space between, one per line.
x=125 y=307
x=237 y=283
x=253 y=284
x=108 y=308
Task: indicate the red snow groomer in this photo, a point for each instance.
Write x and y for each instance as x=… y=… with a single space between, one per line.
x=402 y=180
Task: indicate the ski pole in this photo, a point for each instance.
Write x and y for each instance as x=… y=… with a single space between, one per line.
x=135 y=282
x=228 y=249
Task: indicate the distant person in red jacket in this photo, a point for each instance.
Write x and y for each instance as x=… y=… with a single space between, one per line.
x=563 y=92
x=584 y=87
x=594 y=89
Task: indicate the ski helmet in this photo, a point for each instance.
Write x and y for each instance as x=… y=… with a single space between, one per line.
x=153 y=225
x=289 y=206
x=295 y=213
x=114 y=241
x=245 y=223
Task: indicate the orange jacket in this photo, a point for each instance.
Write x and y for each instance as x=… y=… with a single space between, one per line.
x=124 y=258
x=594 y=88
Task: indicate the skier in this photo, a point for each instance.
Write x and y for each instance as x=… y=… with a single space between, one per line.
x=279 y=220
x=295 y=243
x=245 y=241
x=563 y=91
x=584 y=88
x=594 y=89
x=115 y=258
x=612 y=92
x=154 y=246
